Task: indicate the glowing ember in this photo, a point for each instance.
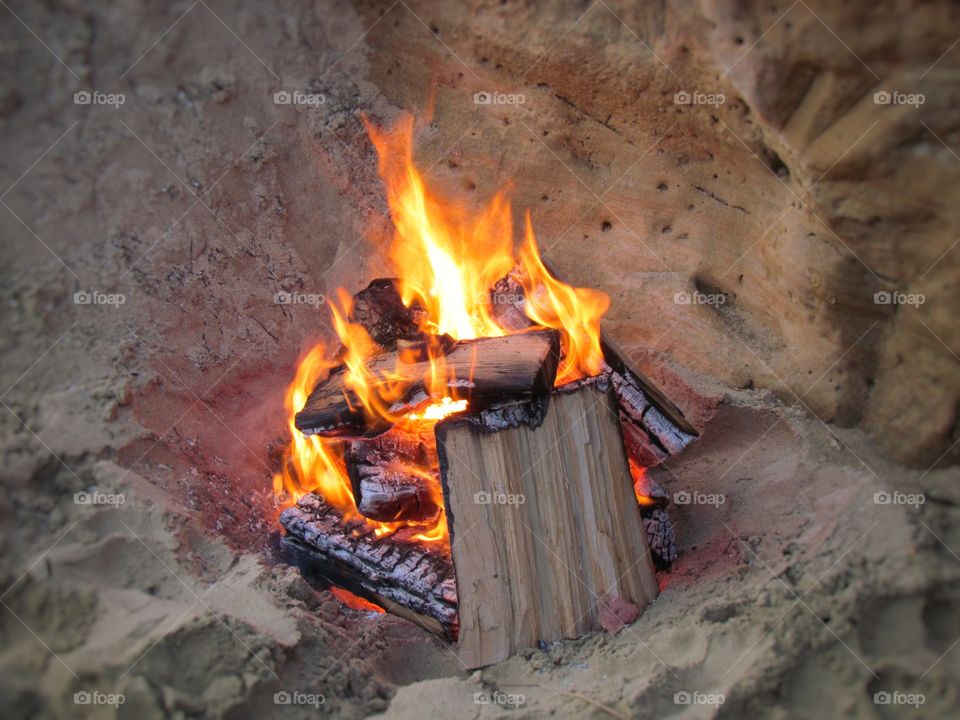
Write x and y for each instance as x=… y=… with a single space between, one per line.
x=354 y=601
x=439 y=410
x=447 y=256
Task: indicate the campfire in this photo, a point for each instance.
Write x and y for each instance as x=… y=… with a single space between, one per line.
x=472 y=455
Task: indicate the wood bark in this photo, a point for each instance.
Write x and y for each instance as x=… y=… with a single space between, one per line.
x=409 y=578
x=543 y=525
x=483 y=371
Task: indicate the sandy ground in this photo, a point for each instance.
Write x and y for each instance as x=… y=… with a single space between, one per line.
x=797 y=596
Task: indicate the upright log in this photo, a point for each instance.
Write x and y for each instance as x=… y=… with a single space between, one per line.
x=544 y=525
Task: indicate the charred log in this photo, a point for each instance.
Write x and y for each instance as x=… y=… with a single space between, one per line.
x=407 y=577
x=654 y=500
x=380 y=310
x=650 y=435
x=507 y=302
x=660 y=537
x=394 y=475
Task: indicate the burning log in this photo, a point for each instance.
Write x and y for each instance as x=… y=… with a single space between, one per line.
x=409 y=578
x=392 y=475
x=542 y=525
x=380 y=310
x=483 y=371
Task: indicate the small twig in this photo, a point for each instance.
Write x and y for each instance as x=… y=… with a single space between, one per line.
x=275 y=338
x=590 y=701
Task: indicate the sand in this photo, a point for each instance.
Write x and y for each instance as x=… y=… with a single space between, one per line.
x=797 y=596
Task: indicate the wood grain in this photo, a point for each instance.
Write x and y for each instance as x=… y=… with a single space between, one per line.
x=543 y=525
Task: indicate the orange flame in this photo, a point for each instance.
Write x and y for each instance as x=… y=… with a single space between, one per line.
x=576 y=312
x=448 y=256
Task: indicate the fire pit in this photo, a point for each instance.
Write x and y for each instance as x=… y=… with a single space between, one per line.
x=473 y=453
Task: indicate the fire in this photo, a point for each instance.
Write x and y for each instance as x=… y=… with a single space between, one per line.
x=576 y=312
x=354 y=601
x=448 y=255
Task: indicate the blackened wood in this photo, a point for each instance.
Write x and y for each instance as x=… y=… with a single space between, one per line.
x=484 y=371
x=511 y=414
x=617 y=360
x=543 y=525
x=394 y=475
x=411 y=350
x=405 y=576
x=380 y=310
x=654 y=499
x=660 y=537
x=653 y=435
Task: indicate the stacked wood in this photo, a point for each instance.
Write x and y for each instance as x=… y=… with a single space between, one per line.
x=543 y=525
x=394 y=475
x=484 y=371
x=380 y=310
x=409 y=578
